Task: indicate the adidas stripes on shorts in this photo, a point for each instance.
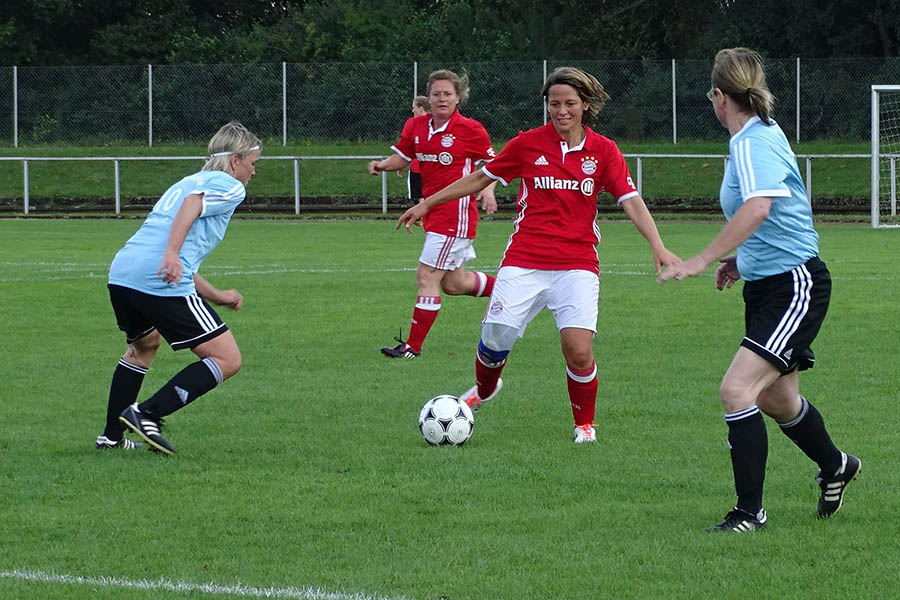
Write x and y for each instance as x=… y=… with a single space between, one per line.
x=783 y=314
x=446 y=252
x=184 y=321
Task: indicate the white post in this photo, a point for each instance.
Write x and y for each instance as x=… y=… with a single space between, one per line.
x=150 y=105
x=384 y=192
x=876 y=142
x=284 y=103
x=296 y=186
x=640 y=177
x=542 y=85
x=674 y=112
x=118 y=194
x=893 y=186
x=797 y=109
x=25 y=173
x=15 y=107
x=809 y=179
x=415 y=78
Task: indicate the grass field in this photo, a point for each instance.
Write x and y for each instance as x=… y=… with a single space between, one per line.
x=305 y=475
x=688 y=180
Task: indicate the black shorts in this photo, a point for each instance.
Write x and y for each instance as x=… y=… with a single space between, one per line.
x=414 y=183
x=783 y=314
x=184 y=321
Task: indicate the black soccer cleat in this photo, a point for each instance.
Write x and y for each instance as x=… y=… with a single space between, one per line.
x=104 y=443
x=148 y=427
x=401 y=350
x=833 y=488
x=741 y=521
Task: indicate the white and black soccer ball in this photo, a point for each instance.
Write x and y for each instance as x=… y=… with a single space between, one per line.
x=445 y=420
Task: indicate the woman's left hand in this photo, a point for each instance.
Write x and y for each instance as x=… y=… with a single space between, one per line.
x=682 y=270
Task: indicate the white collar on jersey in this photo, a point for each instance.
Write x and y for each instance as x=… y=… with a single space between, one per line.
x=432 y=131
x=565 y=147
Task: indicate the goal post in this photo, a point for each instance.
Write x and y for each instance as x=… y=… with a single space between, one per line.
x=885 y=155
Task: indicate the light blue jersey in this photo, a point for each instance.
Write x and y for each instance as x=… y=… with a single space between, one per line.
x=762 y=164
x=136 y=264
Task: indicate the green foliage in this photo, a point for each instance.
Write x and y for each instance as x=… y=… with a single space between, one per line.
x=158 y=31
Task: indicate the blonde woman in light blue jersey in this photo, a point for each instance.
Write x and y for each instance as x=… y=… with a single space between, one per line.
x=157 y=292
x=786 y=293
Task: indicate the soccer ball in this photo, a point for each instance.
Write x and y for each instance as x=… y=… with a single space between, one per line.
x=446 y=420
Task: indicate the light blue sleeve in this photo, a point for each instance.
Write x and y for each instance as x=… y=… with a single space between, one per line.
x=221 y=193
x=760 y=168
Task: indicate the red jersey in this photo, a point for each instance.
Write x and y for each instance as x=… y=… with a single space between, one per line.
x=445 y=155
x=556 y=228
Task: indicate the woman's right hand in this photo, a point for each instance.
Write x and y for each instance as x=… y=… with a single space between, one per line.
x=374 y=167
x=727 y=273
x=412 y=216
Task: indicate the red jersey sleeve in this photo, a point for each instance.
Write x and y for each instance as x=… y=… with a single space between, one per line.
x=482 y=148
x=406 y=147
x=508 y=164
x=616 y=178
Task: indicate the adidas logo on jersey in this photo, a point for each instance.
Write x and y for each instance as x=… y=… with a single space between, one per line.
x=542 y=161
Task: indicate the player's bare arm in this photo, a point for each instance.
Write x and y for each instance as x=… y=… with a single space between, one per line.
x=746 y=220
x=487 y=199
x=394 y=162
x=470 y=184
x=230 y=298
x=171 y=268
x=637 y=211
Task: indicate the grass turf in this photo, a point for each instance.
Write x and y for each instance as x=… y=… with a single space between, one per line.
x=307 y=468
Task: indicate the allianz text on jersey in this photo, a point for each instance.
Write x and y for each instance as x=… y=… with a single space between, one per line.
x=548 y=182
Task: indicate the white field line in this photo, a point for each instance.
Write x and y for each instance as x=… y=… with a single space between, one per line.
x=238 y=590
x=41 y=271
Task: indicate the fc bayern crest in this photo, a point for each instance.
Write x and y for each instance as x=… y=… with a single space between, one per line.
x=447 y=141
x=588 y=165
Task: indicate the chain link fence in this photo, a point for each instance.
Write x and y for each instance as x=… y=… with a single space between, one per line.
x=651 y=100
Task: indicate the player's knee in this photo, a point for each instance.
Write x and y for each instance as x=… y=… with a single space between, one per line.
x=498 y=337
x=233 y=363
x=451 y=287
x=580 y=360
x=734 y=396
x=143 y=351
x=490 y=357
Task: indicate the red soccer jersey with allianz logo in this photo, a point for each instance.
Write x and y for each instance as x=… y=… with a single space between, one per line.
x=556 y=228
x=445 y=155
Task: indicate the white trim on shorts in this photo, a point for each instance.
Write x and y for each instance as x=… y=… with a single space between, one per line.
x=445 y=252
x=520 y=294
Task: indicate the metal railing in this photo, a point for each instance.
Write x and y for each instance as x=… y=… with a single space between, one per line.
x=116 y=160
x=639 y=171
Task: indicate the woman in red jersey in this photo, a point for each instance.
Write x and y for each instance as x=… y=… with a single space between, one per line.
x=420 y=106
x=447 y=145
x=551 y=259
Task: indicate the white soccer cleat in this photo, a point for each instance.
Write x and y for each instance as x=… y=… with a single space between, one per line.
x=470 y=397
x=585 y=433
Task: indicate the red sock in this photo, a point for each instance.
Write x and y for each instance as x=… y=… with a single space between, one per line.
x=486 y=376
x=424 y=314
x=582 y=386
x=484 y=284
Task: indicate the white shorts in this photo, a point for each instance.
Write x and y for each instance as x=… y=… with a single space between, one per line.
x=520 y=294
x=445 y=252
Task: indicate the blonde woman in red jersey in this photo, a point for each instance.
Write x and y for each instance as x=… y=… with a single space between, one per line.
x=551 y=259
x=447 y=145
